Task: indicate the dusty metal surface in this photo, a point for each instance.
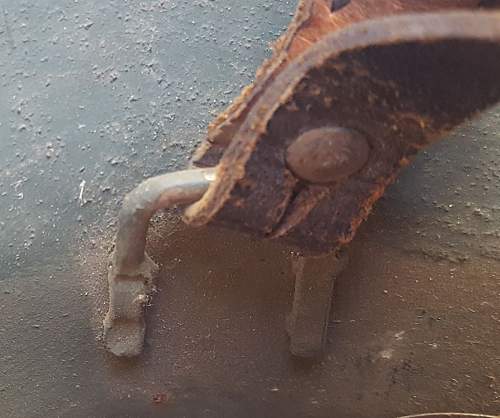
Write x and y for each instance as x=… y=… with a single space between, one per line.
x=416 y=327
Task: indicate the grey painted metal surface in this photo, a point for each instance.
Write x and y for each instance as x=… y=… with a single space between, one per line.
x=95 y=96
x=108 y=93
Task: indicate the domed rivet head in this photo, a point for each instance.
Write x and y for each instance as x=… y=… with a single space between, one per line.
x=328 y=154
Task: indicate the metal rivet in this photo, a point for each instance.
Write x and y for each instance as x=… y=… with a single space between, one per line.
x=328 y=154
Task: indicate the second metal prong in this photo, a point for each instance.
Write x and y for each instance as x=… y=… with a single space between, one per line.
x=131 y=273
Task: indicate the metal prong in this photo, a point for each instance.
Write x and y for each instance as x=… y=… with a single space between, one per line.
x=307 y=324
x=131 y=272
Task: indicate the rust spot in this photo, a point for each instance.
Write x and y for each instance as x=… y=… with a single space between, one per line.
x=161 y=398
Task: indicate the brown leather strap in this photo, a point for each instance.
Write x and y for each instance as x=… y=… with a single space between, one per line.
x=402 y=82
x=314 y=19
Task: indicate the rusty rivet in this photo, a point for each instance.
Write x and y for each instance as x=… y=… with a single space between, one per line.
x=328 y=154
